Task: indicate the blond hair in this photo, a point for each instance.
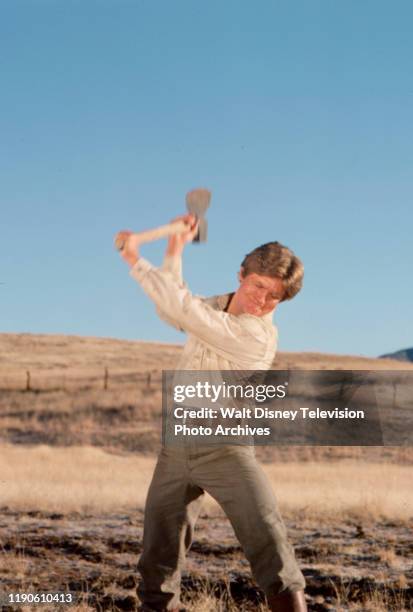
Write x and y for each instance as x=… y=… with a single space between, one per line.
x=277 y=261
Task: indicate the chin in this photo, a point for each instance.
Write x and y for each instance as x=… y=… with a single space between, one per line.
x=255 y=311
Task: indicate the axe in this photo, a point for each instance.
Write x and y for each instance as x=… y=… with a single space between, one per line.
x=197 y=202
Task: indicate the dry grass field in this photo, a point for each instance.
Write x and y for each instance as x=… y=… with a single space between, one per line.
x=79 y=430
x=89 y=480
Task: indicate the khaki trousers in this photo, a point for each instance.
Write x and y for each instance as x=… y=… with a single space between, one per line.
x=232 y=476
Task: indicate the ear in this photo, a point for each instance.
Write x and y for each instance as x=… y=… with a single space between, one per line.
x=241 y=275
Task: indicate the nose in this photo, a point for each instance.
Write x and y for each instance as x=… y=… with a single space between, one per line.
x=260 y=298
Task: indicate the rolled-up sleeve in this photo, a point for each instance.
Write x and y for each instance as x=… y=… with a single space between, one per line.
x=221 y=331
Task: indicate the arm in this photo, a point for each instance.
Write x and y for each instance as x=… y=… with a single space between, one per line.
x=172 y=261
x=175 y=248
x=226 y=334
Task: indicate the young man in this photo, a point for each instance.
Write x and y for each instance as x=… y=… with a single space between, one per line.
x=227 y=332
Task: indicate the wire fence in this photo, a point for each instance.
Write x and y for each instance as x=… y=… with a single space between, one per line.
x=31 y=380
x=394 y=391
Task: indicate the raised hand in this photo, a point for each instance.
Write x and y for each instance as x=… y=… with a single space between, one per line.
x=129 y=251
x=177 y=242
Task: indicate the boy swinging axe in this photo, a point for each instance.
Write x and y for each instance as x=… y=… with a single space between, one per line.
x=233 y=331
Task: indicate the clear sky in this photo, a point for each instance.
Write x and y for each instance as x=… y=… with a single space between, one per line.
x=297 y=115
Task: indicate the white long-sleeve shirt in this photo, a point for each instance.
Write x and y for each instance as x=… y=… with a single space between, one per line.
x=217 y=340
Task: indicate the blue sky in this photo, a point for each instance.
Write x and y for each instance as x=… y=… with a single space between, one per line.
x=297 y=115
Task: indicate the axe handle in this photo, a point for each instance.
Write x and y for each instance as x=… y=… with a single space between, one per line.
x=176 y=227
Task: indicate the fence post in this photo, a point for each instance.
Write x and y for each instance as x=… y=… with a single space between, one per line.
x=148 y=380
x=28 y=386
x=106 y=379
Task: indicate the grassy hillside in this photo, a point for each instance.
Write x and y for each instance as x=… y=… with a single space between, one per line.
x=67 y=403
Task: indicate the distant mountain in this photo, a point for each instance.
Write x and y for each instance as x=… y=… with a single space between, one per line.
x=403 y=355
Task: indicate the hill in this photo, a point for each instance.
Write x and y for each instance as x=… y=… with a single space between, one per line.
x=58 y=354
x=403 y=355
x=71 y=390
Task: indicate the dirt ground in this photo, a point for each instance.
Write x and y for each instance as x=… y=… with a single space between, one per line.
x=94 y=557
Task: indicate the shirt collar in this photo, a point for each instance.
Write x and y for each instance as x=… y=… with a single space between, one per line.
x=220 y=302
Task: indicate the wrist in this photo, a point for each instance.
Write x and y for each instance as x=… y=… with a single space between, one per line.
x=132 y=261
x=174 y=251
x=130 y=258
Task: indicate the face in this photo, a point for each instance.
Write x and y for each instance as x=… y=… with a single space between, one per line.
x=258 y=294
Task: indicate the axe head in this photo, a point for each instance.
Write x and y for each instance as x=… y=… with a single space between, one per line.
x=197 y=202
